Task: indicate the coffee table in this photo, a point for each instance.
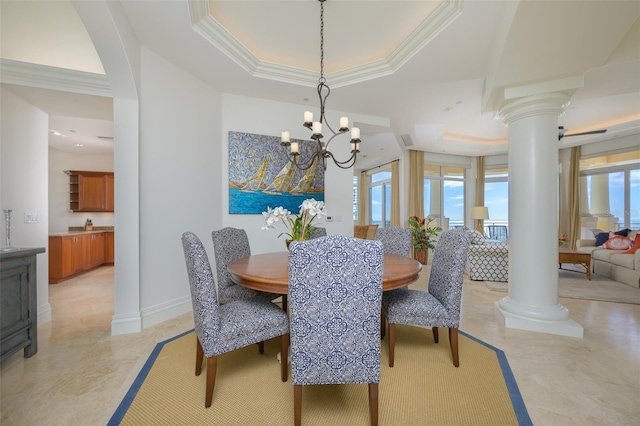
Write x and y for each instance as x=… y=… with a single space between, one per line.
x=577 y=258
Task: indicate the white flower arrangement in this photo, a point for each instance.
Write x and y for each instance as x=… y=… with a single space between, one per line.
x=299 y=227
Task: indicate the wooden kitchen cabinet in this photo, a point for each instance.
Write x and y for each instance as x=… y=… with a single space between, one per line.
x=72 y=255
x=91 y=191
x=109 y=240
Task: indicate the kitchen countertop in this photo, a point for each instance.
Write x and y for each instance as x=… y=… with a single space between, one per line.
x=79 y=230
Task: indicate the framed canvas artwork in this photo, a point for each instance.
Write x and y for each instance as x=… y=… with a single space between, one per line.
x=261 y=175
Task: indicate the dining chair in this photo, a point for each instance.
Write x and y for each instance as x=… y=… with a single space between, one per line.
x=231 y=244
x=335 y=291
x=236 y=324
x=318 y=232
x=395 y=240
x=440 y=305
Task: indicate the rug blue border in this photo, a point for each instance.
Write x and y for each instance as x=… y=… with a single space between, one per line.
x=512 y=386
x=137 y=383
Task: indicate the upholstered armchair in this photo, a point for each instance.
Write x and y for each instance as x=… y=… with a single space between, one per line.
x=231 y=244
x=440 y=305
x=335 y=290
x=236 y=324
x=395 y=240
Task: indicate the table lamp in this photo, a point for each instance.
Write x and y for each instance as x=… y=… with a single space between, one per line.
x=479 y=213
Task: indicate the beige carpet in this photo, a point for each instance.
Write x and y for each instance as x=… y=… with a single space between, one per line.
x=423 y=387
x=575 y=285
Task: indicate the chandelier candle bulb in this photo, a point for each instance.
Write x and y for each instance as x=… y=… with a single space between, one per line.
x=308 y=118
x=285 y=137
x=294 y=148
x=355 y=133
x=344 y=124
x=317 y=128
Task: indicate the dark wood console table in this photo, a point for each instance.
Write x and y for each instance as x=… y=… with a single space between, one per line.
x=18 y=302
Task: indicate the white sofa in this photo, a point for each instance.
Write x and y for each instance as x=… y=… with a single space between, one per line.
x=488 y=261
x=624 y=268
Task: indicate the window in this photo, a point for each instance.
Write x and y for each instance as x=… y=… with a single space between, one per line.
x=610 y=190
x=444 y=194
x=380 y=198
x=496 y=195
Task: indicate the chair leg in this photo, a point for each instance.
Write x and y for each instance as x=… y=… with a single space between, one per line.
x=453 y=341
x=199 y=357
x=212 y=366
x=373 y=403
x=435 y=334
x=383 y=320
x=297 y=404
x=285 y=305
x=261 y=347
x=284 y=354
x=392 y=342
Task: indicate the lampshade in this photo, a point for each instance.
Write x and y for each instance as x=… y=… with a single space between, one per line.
x=479 y=212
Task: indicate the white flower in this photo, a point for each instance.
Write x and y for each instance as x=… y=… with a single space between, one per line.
x=298 y=227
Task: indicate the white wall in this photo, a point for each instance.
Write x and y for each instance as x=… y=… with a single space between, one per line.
x=23 y=183
x=260 y=116
x=180 y=180
x=60 y=217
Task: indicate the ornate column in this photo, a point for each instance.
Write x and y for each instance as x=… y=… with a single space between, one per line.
x=532 y=304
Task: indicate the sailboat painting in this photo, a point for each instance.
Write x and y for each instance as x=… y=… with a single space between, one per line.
x=261 y=175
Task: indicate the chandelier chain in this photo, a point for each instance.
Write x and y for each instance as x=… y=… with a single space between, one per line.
x=321 y=80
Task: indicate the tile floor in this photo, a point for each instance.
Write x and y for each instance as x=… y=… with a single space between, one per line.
x=81 y=372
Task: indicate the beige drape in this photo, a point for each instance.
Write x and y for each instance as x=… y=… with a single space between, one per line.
x=416 y=183
x=480 y=170
x=362 y=199
x=395 y=194
x=574 y=197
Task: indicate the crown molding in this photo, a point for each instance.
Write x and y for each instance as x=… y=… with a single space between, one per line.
x=204 y=24
x=47 y=77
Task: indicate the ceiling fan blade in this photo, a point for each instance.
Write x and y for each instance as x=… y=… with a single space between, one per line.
x=592 y=132
x=562 y=130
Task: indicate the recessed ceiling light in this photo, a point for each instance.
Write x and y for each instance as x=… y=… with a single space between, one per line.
x=447 y=109
x=72 y=131
x=79 y=145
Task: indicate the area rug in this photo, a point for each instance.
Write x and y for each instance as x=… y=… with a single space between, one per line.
x=422 y=388
x=575 y=285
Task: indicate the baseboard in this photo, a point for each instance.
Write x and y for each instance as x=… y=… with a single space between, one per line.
x=166 y=311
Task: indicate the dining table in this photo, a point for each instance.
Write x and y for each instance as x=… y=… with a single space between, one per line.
x=269 y=272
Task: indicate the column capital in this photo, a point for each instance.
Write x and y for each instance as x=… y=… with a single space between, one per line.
x=553 y=103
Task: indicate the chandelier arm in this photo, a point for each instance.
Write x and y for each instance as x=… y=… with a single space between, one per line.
x=347 y=164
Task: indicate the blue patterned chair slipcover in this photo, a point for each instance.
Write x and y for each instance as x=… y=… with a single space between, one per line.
x=488 y=261
x=319 y=232
x=395 y=240
x=440 y=305
x=335 y=291
x=231 y=244
x=236 y=324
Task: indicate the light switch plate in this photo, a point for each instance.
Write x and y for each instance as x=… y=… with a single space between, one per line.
x=31 y=218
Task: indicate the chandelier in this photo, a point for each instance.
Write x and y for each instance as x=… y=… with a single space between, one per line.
x=321 y=149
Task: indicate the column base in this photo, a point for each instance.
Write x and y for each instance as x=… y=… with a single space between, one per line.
x=567 y=327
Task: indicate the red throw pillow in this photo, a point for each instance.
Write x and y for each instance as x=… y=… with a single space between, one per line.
x=636 y=245
x=617 y=242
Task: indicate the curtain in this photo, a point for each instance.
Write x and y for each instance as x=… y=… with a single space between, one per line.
x=479 y=223
x=416 y=183
x=395 y=194
x=574 y=197
x=362 y=199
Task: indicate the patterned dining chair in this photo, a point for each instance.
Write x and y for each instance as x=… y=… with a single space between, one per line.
x=318 y=232
x=395 y=240
x=236 y=324
x=231 y=244
x=440 y=305
x=335 y=291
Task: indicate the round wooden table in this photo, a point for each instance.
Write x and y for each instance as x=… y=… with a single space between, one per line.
x=269 y=272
